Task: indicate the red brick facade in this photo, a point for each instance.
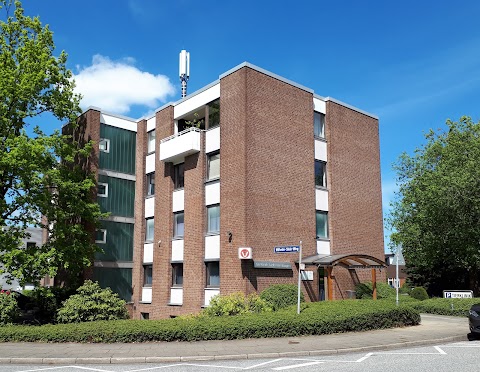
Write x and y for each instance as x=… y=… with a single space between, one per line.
x=267 y=193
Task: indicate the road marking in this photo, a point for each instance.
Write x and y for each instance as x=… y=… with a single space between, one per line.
x=264 y=363
x=296 y=366
x=152 y=368
x=66 y=367
x=440 y=350
x=364 y=358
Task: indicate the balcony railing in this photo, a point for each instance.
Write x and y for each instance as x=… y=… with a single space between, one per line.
x=180 y=145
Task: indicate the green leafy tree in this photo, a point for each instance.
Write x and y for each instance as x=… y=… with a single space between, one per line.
x=436 y=214
x=36 y=189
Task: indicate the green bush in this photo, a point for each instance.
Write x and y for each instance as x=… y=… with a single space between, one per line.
x=9 y=310
x=92 y=303
x=45 y=302
x=235 y=304
x=445 y=306
x=279 y=296
x=419 y=293
x=317 y=318
x=365 y=290
x=406 y=288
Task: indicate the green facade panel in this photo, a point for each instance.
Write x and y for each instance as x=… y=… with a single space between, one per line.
x=119 y=280
x=119 y=242
x=120 y=200
x=121 y=150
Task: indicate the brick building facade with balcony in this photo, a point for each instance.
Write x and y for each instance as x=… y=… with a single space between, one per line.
x=252 y=160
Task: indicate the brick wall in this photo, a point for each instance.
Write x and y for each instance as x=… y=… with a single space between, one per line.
x=267 y=198
x=139 y=213
x=355 y=196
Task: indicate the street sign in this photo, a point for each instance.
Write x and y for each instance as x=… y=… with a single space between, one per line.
x=458 y=294
x=272 y=265
x=286 y=249
x=245 y=253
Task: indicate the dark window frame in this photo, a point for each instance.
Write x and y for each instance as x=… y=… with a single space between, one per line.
x=209 y=159
x=325 y=213
x=178 y=176
x=321 y=128
x=323 y=176
x=209 y=231
x=208 y=272
x=147 y=229
x=150 y=186
x=147 y=273
x=177 y=267
x=149 y=150
x=176 y=234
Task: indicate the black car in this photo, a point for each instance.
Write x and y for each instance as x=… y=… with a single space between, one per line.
x=474 y=320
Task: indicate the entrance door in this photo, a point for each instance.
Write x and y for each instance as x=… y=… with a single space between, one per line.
x=322 y=295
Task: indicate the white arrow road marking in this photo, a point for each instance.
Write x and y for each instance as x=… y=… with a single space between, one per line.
x=296 y=366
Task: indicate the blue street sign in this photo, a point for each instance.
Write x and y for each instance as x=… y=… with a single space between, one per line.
x=287 y=249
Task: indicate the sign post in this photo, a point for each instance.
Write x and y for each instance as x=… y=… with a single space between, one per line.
x=299 y=276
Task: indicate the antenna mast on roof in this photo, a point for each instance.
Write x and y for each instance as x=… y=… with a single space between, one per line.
x=184 y=70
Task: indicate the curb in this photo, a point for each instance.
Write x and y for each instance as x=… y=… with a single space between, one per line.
x=199 y=358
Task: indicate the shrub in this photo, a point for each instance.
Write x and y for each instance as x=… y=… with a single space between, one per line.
x=235 y=304
x=8 y=307
x=316 y=319
x=405 y=288
x=365 y=290
x=44 y=302
x=445 y=306
x=419 y=293
x=92 y=303
x=279 y=296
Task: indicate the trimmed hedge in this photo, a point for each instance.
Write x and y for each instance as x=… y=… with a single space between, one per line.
x=315 y=319
x=365 y=290
x=445 y=306
x=419 y=293
x=279 y=296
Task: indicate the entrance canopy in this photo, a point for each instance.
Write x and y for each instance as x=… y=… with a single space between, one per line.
x=348 y=261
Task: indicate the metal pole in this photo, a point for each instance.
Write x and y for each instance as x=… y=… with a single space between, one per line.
x=397 y=282
x=299 y=277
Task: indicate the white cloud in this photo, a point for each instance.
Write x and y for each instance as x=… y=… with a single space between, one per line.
x=117 y=85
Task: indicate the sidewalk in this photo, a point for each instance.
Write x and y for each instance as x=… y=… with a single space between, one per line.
x=432 y=331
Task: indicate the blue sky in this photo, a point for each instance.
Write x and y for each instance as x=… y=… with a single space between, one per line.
x=412 y=63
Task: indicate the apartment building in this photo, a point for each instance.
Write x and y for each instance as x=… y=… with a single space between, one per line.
x=218 y=179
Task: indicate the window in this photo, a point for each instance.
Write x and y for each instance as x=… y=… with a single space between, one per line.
x=178 y=225
x=149 y=229
x=151 y=141
x=104 y=145
x=145 y=316
x=102 y=189
x=319 y=124
x=320 y=173
x=178 y=175
x=213 y=166
x=151 y=184
x=177 y=274
x=101 y=236
x=147 y=275
x=214 y=113
x=213 y=274
x=31 y=245
x=322 y=224
x=213 y=219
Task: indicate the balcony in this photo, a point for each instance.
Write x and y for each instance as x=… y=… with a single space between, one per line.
x=177 y=147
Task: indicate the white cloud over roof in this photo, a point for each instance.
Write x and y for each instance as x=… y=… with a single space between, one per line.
x=115 y=86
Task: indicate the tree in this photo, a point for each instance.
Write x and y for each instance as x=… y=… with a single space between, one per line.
x=436 y=214
x=36 y=188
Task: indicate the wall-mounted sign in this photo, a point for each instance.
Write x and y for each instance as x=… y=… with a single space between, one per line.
x=286 y=249
x=245 y=253
x=458 y=294
x=307 y=275
x=272 y=265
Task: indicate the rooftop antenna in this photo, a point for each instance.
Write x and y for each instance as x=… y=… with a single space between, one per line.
x=184 y=70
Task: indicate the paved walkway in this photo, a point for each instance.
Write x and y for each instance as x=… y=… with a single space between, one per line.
x=432 y=330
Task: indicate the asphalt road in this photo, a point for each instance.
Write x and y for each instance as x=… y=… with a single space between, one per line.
x=460 y=356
